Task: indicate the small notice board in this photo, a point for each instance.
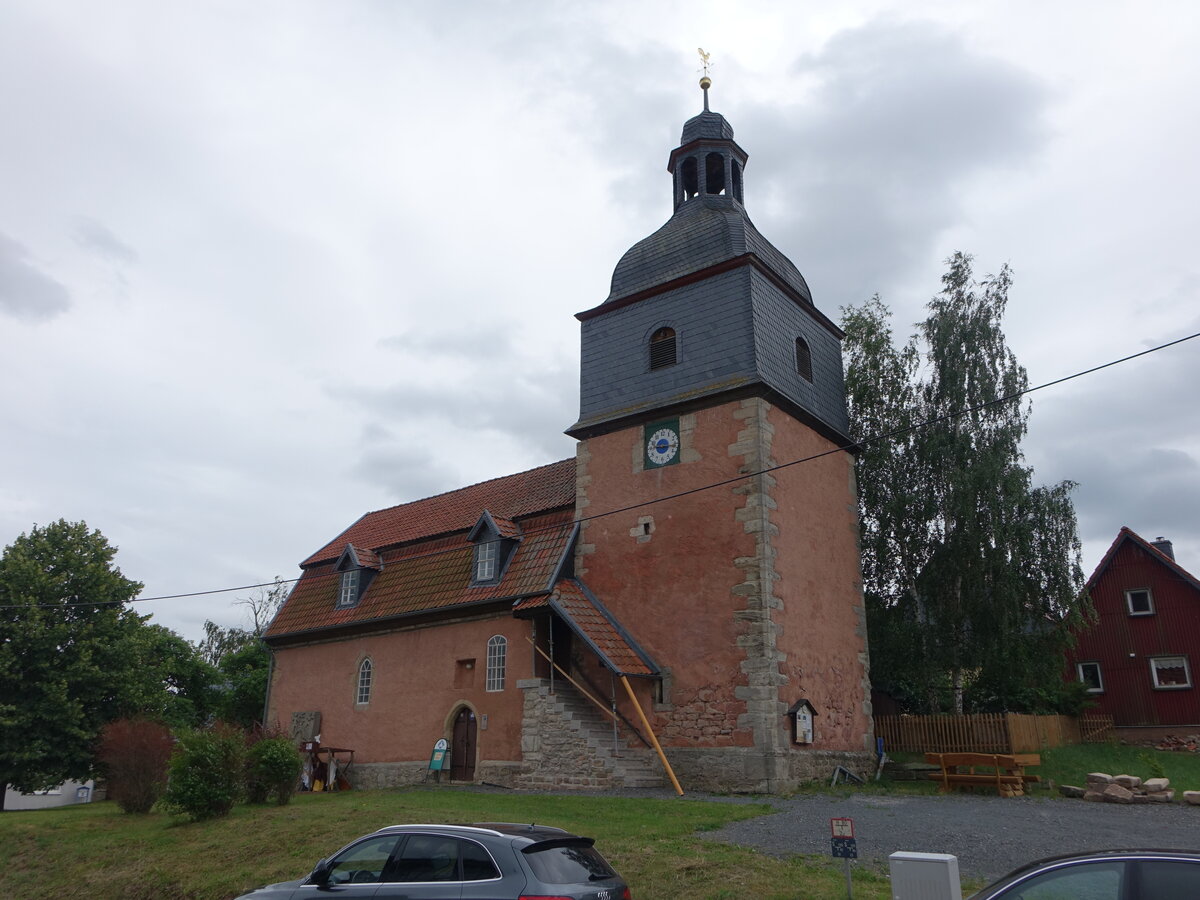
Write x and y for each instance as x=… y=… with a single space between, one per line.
x=440 y=758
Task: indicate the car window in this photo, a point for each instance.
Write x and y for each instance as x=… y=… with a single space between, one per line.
x=1085 y=881
x=477 y=863
x=568 y=864
x=1165 y=879
x=427 y=857
x=364 y=862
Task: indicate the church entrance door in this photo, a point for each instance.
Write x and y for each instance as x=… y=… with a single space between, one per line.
x=462 y=748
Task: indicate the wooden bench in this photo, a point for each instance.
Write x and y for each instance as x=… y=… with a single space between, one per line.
x=1007 y=773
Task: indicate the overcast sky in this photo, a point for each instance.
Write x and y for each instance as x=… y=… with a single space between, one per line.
x=267 y=266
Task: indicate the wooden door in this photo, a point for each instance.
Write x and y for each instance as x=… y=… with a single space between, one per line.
x=462 y=748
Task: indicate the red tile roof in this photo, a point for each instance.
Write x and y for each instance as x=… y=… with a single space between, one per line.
x=1125 y=534
x=590 y=620
x=511 y=497
x=426 y=576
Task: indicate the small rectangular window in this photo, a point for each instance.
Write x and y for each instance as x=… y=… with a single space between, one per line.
x=1140 y=602
x=348 y=595
x=1170 y=672
x=1089 y=674
x=485 y=561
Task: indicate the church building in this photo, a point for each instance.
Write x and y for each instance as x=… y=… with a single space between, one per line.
x=688 y=583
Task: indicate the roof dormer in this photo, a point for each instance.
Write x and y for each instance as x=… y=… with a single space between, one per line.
x=357 y=568
x=495 y=541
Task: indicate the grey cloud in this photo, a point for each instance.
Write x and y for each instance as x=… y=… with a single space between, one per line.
x=25 y=291
x=898 y=118
x=95 y=236
x=403 y=470
x=479 y=344
x=531 y=410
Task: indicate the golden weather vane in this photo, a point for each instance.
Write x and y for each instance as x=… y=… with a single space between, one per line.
x=705 y=81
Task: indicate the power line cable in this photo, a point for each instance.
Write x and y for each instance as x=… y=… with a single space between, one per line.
x=889 y=435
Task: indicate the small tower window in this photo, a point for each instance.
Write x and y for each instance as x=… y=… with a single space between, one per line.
x=714 y=174
x=662 y=349
x=497 y=651
x=348 y=595
x=803 y=359
x=363 y=695
x=691 y=178
x=737 y=181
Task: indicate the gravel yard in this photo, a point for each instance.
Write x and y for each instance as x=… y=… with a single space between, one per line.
x=989 y=835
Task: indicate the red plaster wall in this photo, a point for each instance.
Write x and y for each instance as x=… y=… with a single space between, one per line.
x=673 y=592
x=820 y=583
x=413 y=693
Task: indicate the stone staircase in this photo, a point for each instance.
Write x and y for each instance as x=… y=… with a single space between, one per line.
x=576 y=748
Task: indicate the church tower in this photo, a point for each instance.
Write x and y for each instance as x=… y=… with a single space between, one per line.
x=716 y=491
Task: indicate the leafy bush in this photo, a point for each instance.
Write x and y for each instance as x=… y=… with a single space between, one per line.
x=134 y=754
x=272 y=769
x=206 y=772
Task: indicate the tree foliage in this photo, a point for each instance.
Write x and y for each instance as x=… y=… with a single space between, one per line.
x=207 y=774
x=971 y=572
x=241 y=658
x=134 y=754
x=65 y=635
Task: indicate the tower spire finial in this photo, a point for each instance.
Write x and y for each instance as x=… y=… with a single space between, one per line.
x=705 y=81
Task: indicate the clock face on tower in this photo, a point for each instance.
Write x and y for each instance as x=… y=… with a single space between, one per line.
x=661 y=443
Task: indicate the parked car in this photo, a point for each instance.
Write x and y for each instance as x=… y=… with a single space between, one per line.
x=488 y=861
x=1109 y=875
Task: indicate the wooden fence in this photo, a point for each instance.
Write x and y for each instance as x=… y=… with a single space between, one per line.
x=988 y=732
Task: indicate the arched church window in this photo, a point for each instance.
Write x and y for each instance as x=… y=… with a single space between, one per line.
x=691 y=178
x=803 y=359
x=497 y=651
x=714 y=174
x=365 y=672
x=662 y=349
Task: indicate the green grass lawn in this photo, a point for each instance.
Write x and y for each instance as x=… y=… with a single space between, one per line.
x=1070 y=765
x=95 y=851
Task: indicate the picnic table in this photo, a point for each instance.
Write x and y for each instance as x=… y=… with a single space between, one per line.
x=1006 y=771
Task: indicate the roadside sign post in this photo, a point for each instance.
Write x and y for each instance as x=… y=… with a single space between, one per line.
x=844 y=846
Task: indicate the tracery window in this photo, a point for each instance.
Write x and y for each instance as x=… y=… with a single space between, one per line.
x=365 y=674
x=497 y=653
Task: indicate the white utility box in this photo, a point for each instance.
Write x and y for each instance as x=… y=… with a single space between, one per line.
x=924 y=876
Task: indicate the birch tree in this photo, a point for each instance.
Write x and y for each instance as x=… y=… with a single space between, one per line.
x=972 y=573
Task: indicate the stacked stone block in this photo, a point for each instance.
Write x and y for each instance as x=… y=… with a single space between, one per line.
x=1104 y=788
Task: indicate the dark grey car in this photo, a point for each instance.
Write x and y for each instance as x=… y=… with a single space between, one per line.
x=488 y=861
x=1106 y=875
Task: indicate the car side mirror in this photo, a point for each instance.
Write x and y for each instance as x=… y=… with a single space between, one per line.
x=320 y=872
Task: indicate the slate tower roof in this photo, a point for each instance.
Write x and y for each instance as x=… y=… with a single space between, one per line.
x=739 y=312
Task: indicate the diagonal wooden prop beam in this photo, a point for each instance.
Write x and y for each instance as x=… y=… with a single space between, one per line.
x=653 y=738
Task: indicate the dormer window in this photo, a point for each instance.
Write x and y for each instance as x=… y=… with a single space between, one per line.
x=495 y=541
x=348 y=591
x=662 y=349
x=356 y=568
x=485 y=561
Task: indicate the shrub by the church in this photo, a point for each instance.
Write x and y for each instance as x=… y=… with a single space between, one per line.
x=207 y=772
x=133 y=754
x=272 y=770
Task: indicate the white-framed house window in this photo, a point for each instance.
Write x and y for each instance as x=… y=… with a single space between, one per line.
x=497 y=652
x=485 y=560
x=1089 y=674
x=1140 y=602
x=366 y=672
x=348 y=593
x=1170 y=672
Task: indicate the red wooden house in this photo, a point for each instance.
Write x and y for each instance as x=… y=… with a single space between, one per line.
x=1138 y=654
